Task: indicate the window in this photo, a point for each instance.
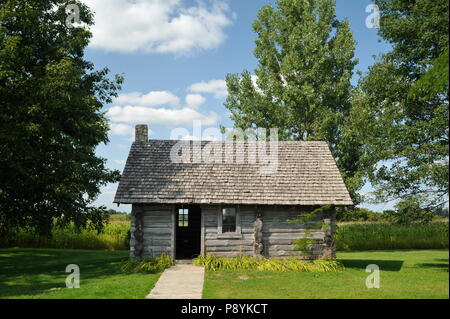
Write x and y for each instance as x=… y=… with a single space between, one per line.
x=183 y=217
x=228 y=220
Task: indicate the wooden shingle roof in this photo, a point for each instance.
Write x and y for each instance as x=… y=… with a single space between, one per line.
x=306 y=175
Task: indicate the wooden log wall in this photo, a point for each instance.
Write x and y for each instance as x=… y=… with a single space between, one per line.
x=279 y=235
x=224 y=245
x=265 y=231
x=157 y=230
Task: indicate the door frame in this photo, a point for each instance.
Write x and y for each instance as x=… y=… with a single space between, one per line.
x=174 y=229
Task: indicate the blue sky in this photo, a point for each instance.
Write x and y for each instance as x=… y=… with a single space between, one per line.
x=175 y=55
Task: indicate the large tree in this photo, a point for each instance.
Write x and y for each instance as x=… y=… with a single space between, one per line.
x=302 y=83
x=400 y=110
x=50 y=119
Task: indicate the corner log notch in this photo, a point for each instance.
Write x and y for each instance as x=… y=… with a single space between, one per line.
x=138 y=234
x=258 y=225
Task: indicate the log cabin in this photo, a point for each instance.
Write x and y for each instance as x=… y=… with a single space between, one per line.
x=186 y=204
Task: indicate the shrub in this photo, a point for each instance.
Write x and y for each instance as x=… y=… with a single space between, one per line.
x=356 y=214
x=148 y=265
x=275 y=264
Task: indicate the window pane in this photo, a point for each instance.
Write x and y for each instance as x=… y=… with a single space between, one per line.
x=183 y=214
x=228 y=220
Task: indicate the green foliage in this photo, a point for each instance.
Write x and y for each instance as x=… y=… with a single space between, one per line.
x=302 y=85
x=310 y=220
x=250 y=263
x=51 y=119
x=148 y=265
x=400 y=109
x=409 y=211
x=356 y=214
x=377 y=236
x=117 y=213
x=113 y=237
x=304 y=245
x=434 y=81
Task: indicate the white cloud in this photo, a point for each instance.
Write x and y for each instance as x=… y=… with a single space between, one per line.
x=150 y=99
x=254 y=78
x=194 y=100
x=173 y=117
x=216 y=87
x=195 y=138
x=120 y=162
x=136 y=107
x=189 y=138
x=162 y=26
x=120 y=129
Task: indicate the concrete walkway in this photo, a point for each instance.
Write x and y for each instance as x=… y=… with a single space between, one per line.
x=181 y=281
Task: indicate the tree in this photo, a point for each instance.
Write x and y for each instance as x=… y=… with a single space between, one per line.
x=302 y=83
x=51 y=119
x=400 y=109
x=409 y=211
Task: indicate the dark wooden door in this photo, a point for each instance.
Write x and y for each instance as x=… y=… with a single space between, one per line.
x=188 y=231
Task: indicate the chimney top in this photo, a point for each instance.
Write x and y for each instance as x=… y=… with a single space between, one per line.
x=141 y=135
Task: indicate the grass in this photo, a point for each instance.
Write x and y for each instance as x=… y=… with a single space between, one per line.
x=381 y=236
x=274 y=264
x=148 y=265
x=404 y=274
x=113 y=237
x=40 y=273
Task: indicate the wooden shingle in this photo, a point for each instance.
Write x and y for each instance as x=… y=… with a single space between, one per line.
x=306 y=175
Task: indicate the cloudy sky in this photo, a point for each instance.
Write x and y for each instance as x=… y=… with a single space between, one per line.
x=175 y=55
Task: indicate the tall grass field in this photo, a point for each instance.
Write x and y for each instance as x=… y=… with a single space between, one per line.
x=379 y=236
x=113 y=237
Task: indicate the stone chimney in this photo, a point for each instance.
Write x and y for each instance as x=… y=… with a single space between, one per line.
x=141 y=135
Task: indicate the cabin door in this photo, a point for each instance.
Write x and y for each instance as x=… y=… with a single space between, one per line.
x=188 y=231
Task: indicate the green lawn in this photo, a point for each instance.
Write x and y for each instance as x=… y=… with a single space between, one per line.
x=404 y=274
x=40 y=273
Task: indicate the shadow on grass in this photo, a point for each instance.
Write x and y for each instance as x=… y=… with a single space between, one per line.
x=31 y=272
x=389 y=265
x=441 y=264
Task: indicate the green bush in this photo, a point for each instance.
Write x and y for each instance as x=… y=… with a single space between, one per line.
x=274 y=264
x=148 y=265
x=356 y=214
x=373 y=236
